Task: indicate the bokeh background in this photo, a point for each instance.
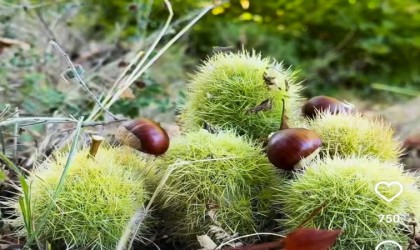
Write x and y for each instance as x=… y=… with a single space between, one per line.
x=349 y=48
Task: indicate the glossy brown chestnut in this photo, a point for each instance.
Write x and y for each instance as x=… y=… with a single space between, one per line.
x=287 y=147
x=144 y=135
x=325 y=103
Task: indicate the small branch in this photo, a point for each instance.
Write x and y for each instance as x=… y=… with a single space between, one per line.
x=79 y=78
x=134 y=75
x=104 y=123
x=93 y=124
x=45 y=25
x=15 y=138
x=36 y=120
x=39 y=120
x=139 y=71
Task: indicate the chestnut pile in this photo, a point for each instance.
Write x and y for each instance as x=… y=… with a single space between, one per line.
x=252 y=157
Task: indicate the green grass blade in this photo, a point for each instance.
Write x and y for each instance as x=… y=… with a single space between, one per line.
x=26 y=214
x=3 y=176
x=2 y=144
x=24 y=202
x=397 y=90
x=10 y=164
x=60 y=184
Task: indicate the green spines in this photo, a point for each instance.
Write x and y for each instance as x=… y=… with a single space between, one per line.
x=219 y=180
x=96 y=202
x=354 y=134
x=243 y=92
x=339 y=193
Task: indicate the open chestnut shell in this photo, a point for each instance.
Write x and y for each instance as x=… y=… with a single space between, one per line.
x=287 y=147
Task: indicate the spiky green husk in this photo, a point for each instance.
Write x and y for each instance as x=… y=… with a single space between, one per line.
x=343 y=190
x=219 y=180
x=96 y=202
x=353 y=134
x=229 y=85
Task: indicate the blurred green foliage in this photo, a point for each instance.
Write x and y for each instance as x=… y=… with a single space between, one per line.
x=100 y=18
x=335 y=43
x=23 y=84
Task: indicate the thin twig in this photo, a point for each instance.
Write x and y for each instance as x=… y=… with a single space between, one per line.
x=40 y=120
x=135 y=75
x=146 y=20
x=155 y=43
x=15 y=137
x=19 y=120
x=104 y=123
x=2 y=143
x=50 y=33
x=166 y=47
x=93 y=124
x=79 y=78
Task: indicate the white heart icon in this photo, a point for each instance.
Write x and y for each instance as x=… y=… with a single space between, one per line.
x=388 y=184
x=388 y=242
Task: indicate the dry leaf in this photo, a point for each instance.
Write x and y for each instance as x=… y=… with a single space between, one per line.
x=7 y=42
x=311 y=239
x=300 y=239
x=127 y=94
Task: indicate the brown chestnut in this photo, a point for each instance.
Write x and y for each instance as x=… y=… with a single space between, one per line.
x=144 y=135
x=287 y=147
x=325 y=103
x=411 y=142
